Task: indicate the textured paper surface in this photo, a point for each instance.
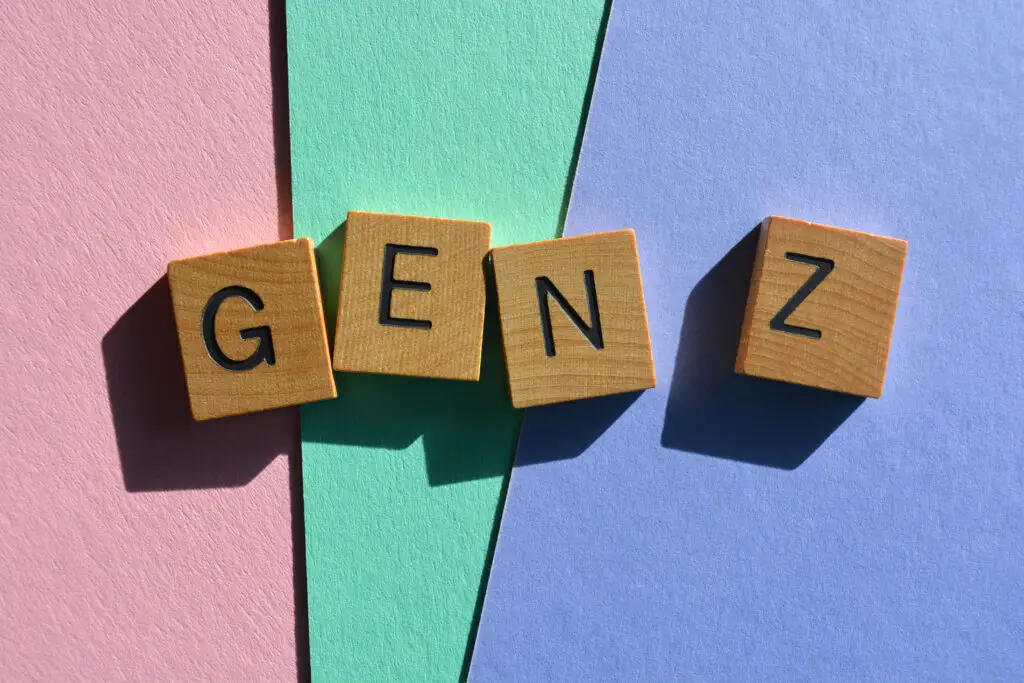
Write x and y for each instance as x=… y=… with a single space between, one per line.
x=456 y=109
x=733 y=529
x=135 y=545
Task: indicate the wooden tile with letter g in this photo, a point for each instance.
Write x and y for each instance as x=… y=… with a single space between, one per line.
x=412 y=296
x=573 y=319
x=821 y=306
x=251 y=329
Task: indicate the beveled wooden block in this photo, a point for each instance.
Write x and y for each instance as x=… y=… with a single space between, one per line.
x=251 y=329
x=412 y=297
x=573 y=319
x=821 y=307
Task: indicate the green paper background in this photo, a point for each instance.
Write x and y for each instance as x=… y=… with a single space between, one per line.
x=462 y=109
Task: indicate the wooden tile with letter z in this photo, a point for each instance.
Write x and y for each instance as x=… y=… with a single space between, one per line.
x=573 y=319
x=412 y=296
x=251 y=329
x=821 y=307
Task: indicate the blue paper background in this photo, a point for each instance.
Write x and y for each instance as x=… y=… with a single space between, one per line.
x=729 y=528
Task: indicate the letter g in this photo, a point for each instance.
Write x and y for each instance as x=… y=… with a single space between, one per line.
x=263 y=352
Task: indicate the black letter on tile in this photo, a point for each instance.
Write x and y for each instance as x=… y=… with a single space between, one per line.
x=264 y=351
x=591 y=332
x=823 y=267
x=388 y=283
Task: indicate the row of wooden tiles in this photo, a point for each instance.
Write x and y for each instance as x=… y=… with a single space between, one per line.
x=413 y=290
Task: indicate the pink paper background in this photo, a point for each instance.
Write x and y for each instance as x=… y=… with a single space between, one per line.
x=135 y=544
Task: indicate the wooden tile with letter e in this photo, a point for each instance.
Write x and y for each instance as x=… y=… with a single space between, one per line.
x=251 y=329
x=821 y=307
x=573 y=319
x=412 y=297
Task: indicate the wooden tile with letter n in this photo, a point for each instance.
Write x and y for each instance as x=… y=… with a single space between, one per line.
x=821 y=306
x=251 y=329
x=573 y=319
x=412 y=298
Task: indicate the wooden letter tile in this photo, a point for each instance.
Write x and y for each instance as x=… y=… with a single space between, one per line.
x=821 y=307
x=573 y=319
x=412 y=296
x=251 y=329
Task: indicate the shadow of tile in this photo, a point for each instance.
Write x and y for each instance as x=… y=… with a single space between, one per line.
x=714 y=411
x=565 y=430
x=329 y=254
x=160 y=446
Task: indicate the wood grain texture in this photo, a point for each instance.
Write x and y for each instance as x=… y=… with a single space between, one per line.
x=853 y=308
x=453 y=305
x=283 y=275
x=577 y=369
